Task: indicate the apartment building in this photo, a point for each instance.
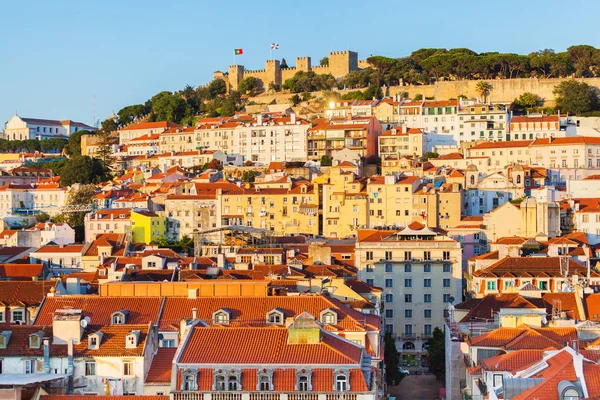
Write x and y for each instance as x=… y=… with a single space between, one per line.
x=32 y=198
x=177 y=139
x=136 y=130
x=146 y=145
x=432 y=116
x=477 y=121
x=566 y=153
x=501 y=154
x=107 y=221
x=390 y=200
x=358 y=134
x=402 y=141
x=344 y=204
x=538 y=126
x=420 y=271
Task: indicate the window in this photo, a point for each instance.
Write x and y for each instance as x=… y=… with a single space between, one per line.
x=491 y=285
x=369 y=255
x=118 y=319
x=34 y=341
x=168 y=343
x=127 y=368
x=407 y=282
x=408 y=298
x=389 y=313
x=427 y=255
x=427 y=298
x=341 y=383
x=388 y=255
x=389 y=283
x=220 y=382
x=426 y=313
x=389 y=298
x=408 y=313
x=427 y=330
x=497 y=380
x=389 y=328
x=447 y=267
x=447 y=298
x=427 y=282
x=426 y=267
x=446 y=282
x=446 y=255
x=328 y=318
x=370 y=281
x=407 y=268
x=233 y=383
x=303 y=383
x=90 y=368
x=388 y=267
x=18 y=315
x=29 y=366
x=264 y=383
x=370 y=268
x=189 y=382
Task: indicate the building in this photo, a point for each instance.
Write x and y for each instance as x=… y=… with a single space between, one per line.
x=482 y=121
x=18 y=128
x=358 y=134
x=502 y=154
x=420 y=271
x=300 y=356
x=402 y=142
x=340 y=63
x=576 y=157
x=107 y=221
x=147 y=129
x=538 y=126
x=29 y=199
x=147 y=226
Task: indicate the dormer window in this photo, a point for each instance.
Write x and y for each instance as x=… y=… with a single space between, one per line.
x=4 y=338
x=189 y=379
x=303 y=380
x=341 y=380
x=119 y=317
x=227 y=379
x=329 y=317
x=275 y=317
x=131 y=340
x=221 y=317
x=265 y=380
x=94 y=340
x=34 y=341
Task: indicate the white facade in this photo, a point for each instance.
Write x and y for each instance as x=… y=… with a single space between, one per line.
x=18 y=128
x=28 y=198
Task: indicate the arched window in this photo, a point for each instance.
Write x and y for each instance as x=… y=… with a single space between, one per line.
x=303 y=383
x=233 y=383
x=341 y=383
x=264 y=384
x=328 y=318
x=472 y=179
x=219 y=382
x=189 y=383
x=408 y=346
x=518 y=179
x=571 y=394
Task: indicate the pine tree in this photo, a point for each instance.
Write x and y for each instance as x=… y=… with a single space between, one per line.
x=104 y=150
x=392 y=360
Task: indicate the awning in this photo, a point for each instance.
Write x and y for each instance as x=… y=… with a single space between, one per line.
x=28 y=379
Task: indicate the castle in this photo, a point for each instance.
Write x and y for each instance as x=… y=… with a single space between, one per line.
x=340 y=64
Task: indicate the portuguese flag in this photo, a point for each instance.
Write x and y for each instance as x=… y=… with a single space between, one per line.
x=237 y=52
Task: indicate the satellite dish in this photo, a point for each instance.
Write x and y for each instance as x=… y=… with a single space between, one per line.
x=84 y=322
x=160 y=336
x=451 y=299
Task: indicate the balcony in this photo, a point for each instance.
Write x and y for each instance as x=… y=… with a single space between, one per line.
x=239 y=395
x=409 y=336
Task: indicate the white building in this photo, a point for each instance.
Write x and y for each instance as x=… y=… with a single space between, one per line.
x=537 y=126
x=58 y=233
x=32 y=198
x=18 y=128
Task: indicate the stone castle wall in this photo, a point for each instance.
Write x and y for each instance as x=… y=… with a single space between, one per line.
x=340 y=64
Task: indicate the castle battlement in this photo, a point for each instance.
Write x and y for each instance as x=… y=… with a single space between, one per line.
x=340 y=64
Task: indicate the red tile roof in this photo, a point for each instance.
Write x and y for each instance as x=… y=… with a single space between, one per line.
x=151 y=125
x=501 y=145
x=160 y=369
x=265 y=346
x=532 y=267
x=526 y=338
x=563 y=141
x=100 y=309
x=21 y=271
x=512 y=362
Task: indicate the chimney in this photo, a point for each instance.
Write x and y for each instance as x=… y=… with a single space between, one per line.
x=394 y=131
x=46 y=355
x=293 y=118
x=259 y=119
x=221 y=260
x=67 y=326
x=194 y=313
x=192 y=293
x=404 y=129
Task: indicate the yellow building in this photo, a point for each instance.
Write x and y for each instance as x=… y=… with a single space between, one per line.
x=391 y=199
x=402 y=142
x=285 y=206
x=344 y=204
x=147 y=226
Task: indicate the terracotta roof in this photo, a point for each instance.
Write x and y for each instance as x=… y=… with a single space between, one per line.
x=501 y=145
x=21 y=271
x=532 y=267
x=562 y=141
x=151 y=125
x=487 y=307
x=55 y=248
x=100 y=309
x=160 y=369
x=451 y=156
x=86 y=397
x=541 y=118
x=265 y=346
x=512 y=362
x=24 y=292
x=247 y=311
x=525 y=337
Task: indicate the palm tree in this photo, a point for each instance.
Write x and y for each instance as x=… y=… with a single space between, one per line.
x=484 y=88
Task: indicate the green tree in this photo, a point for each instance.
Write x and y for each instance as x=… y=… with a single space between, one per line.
x=104 y=150
x=129 y=113
x=295 y=100
x=167 y=106
x=77 y=196
x=484 y=89
x=418 y=97
x=73 y=147
x=251 y=86
x=326 y=161
x=528 y=101
x=437 y=354
x=42 y=217
x=324 y=62
x=82 y=169
x=393 y=376
x=431 y=154
x=162 y=241
x=217 y=87
x=249 y=176
x=583 y=58
x=575 y=98
x=109 y=125
x=283 y=63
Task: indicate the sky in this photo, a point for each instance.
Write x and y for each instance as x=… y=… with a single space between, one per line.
x=64 y=59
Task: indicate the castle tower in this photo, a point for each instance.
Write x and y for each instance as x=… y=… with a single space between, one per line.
x=273 y=73
x=342 y=62
x=303 y=64
x=236 y=75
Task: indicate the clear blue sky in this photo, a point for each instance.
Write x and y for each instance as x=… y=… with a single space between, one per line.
x=56 y=55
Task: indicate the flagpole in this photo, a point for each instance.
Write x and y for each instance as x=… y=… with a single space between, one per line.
x=271 y=52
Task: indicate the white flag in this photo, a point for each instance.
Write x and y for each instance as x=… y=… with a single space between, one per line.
x=274 y=46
